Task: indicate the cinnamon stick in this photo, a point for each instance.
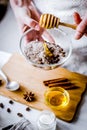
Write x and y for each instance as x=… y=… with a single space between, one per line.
x=55 y=81
x=71 y=87
x=60 y=84
x=67 y=87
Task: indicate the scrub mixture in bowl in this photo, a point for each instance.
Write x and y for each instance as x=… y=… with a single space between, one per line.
x=44 y=52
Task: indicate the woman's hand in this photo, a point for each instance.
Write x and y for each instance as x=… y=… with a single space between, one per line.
x=28 y=17
x=81 y=25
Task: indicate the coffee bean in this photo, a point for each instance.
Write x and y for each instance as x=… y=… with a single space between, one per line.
x=27 y=109
x=8 y=110
x=1 y=105
x=11 y=102
x=60 y=50
x=63 y=54
x=20 y=114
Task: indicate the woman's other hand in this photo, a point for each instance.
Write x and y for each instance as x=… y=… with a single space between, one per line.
x=81 y=25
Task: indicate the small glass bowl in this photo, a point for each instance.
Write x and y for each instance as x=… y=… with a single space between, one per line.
x=56 y=98
x=63 y=41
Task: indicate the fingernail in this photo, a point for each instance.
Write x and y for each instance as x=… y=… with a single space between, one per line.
x=78 y=35
x=19 y=3
x=37 y=27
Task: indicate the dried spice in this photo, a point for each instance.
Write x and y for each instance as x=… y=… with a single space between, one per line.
x=1 y=105
x=27 y=109
x=8 y=110
x=60 y=82
x=20 y=114
x=11 y=102
x=63 y=54
x=29 y=96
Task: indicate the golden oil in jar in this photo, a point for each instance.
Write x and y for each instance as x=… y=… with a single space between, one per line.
x=56 y=97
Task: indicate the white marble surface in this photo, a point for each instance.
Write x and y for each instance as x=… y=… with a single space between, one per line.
x=8 y=118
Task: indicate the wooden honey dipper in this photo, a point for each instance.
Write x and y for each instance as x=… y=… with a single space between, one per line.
x=49 y=21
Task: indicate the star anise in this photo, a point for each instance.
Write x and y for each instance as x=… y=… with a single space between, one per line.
x=29 y=96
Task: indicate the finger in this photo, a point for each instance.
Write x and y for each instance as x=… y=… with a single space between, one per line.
x=40 y=39
x=27 y=2
x=81 y=29
x=34 y=11
x=25 y=28
x=32 y=35
x=19 y=2
x=22 y=2
x=31 y=23
x=77 y=18
x=14 y=1
x=29 y=37
x=86 y=34
x=48 y=37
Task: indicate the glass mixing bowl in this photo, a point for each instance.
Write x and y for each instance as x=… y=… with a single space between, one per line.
x=63 y=41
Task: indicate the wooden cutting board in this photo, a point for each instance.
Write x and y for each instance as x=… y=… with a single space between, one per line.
x=31 y=79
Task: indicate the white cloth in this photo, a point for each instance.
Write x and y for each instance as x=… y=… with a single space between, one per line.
x=23 y=124
x=64 y=9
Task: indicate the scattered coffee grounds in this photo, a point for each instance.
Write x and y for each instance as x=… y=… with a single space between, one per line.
x=11 y=102
x=8 y=110
x=35 y=52
x=29 y=96
x=20 y=114
x=1 y=105
x=27 y=109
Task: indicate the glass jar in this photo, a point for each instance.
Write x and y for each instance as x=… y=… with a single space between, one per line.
x=46 y=121
x=56 y=98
